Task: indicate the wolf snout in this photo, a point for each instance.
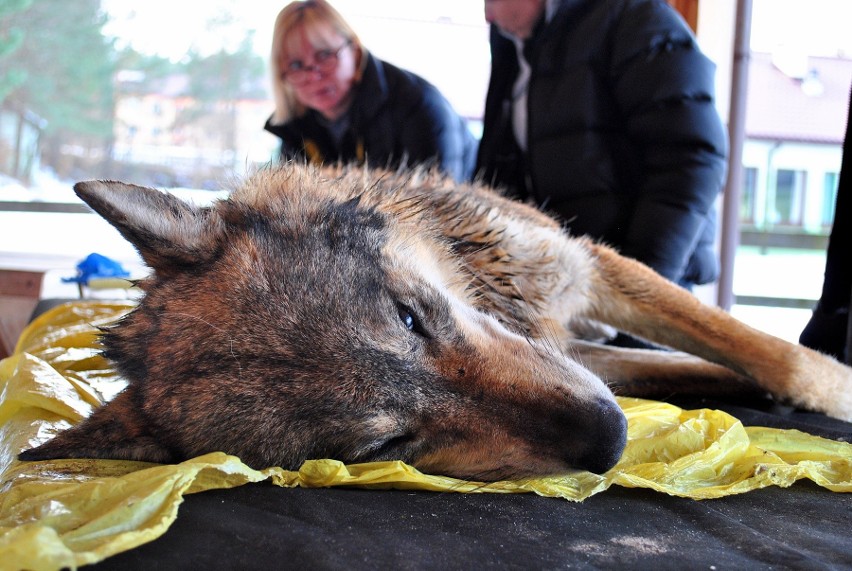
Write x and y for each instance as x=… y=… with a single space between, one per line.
x=603 y=437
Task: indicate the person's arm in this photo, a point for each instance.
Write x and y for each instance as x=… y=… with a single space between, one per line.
x=433 y=131
x=289 y=150
x=665 y=87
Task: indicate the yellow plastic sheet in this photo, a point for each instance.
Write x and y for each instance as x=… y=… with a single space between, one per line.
x=68 y=513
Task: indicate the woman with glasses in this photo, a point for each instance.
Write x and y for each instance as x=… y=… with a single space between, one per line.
x=335 y=102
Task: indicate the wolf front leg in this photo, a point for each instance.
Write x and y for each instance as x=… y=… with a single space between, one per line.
x=635 y=299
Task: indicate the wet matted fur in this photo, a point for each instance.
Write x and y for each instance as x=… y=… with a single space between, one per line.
x=363 y=315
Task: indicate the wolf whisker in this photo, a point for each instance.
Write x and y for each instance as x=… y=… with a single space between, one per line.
x=231 y=339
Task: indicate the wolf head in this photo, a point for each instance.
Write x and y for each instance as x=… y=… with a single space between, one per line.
x=310 y=316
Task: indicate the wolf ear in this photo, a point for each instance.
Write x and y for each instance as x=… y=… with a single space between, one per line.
x=166 y=230
x=115 y=431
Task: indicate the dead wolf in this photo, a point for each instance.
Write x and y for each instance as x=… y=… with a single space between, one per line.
x=365 y=315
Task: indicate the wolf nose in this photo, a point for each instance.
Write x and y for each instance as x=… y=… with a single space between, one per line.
x=607 y=437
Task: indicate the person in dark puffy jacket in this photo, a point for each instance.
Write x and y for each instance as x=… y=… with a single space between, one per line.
x=335 y=102
x=603 y=113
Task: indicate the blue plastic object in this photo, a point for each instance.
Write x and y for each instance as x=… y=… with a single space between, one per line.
x=97 y=266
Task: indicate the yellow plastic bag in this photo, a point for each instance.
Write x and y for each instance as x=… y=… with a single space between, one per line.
x=67 y=513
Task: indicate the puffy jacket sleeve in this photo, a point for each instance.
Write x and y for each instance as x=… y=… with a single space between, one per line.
x=665 y=88
x=433 y=131
x=289 y=150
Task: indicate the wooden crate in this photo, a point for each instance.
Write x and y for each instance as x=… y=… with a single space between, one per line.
x=19 y=294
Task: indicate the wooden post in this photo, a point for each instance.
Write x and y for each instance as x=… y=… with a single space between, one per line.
x=689 y=10
x=19 y=294
x=730 y=223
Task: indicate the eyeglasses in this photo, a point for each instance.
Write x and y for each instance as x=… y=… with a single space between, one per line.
x=325 y=61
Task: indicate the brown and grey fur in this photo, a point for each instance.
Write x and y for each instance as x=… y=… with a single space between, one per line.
x=369 y=316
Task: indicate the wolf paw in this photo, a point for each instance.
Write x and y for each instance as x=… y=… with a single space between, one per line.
x=816 y=382
x=830 y=387
x=841 y=406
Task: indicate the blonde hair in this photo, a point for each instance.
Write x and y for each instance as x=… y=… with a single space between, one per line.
x=321 y=24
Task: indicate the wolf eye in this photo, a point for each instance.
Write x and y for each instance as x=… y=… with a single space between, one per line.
x=410 y=320
x=407 y=319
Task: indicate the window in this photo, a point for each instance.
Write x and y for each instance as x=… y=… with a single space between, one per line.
x=829 y=198
x=786 y=207
x=748 y=197
x=195 y=86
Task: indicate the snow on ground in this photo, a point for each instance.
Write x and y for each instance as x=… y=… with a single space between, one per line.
x=44 y=188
